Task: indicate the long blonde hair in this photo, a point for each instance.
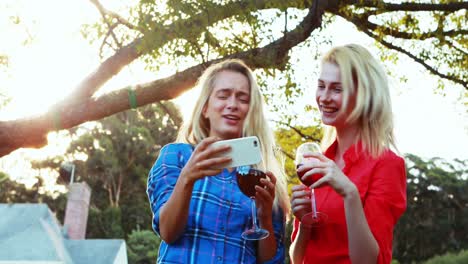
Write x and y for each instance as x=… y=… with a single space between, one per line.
x=197 y=127
x=362 y=75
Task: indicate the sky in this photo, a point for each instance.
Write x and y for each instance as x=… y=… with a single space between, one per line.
x=47 y=69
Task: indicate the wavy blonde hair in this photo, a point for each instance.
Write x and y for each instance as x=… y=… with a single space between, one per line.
x=197 y=127
x=363 y=76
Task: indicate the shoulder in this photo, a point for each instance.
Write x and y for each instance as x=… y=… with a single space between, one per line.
x=175 y=152
x=388 y=157
x=176 y=147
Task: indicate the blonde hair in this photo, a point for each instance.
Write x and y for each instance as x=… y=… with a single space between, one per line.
x=197 y=127
x=363 y=76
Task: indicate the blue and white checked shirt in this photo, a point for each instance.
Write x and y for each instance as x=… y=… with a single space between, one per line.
x=219 y=213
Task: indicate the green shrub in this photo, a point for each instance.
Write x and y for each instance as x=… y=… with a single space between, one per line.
x=142 y=247
x=450 y=258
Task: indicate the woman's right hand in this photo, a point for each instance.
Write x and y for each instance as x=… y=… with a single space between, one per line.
x=203 y=161
x=300 y=201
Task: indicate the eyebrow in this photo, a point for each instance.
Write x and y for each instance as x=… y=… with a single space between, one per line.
x=332 y=83
x=224 y=90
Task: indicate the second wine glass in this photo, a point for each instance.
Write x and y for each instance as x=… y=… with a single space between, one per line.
x=314 y=218
x=247 y=178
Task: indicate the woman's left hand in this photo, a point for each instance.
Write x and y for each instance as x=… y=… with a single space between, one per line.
x=332 y=174
x=265 y=196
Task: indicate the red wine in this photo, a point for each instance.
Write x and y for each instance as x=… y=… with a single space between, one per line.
x=310 y=180
x=248 y=181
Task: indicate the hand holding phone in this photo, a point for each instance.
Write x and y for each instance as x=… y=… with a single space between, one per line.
x=244 y=151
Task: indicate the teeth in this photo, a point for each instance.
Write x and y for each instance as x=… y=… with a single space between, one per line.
x=232 y=117
x=328 y=110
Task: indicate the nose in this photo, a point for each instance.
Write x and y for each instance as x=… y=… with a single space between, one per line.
x=232 y=102
x=323 y=95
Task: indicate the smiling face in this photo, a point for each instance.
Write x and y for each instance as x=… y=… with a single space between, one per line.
x=228 y=104
x=330 y=97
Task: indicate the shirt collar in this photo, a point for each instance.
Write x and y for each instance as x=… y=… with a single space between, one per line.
x=351 y=155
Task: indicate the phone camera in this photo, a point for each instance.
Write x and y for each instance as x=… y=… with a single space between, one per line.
x=255 y=143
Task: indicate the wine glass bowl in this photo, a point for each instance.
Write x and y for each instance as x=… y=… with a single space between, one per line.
x=313 y=218
x=247 y=179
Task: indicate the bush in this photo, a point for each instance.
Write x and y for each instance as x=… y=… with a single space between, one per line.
x=142 y=247
x=450 y=258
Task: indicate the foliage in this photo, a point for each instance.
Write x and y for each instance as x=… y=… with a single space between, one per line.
x=437 y=210
x=14 y=192
x=181 y=38
x=450 y=258
x=120 y=151
x=289 y=139
x=105 y=223
x=142 y=247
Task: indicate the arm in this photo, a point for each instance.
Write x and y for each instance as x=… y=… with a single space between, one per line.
x=268 y=247
x=264 y=197
x=299 y=244
x=300 y=205
x=363 y=247
x=385 y=202
x=370 y=228
x=171 y=183
x=176 y=210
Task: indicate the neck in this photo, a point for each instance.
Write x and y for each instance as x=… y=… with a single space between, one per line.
x=345 y=137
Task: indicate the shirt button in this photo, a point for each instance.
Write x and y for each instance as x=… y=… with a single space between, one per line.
x=222 y=228
x=228 y=203
x=219 y=258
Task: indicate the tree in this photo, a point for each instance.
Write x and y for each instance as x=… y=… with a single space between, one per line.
x=142 y=247
x=437 y=210
x=199 y=33
x=120 y=151
x=14 y=192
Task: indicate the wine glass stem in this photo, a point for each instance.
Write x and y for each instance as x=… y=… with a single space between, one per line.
x=314 y=205
x=254 y=214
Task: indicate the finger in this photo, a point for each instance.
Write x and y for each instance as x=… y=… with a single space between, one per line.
x=314 y=175
x=316 y=155
x=263 y=194
x=320 y=182
x=300 y=194
x=310 y=165
x=301 y=202
x=213 y=162
x=298 y=187
x=303 y=208
x=205 y=143
x=271 y=176
x=269 y=186
x=211 y=172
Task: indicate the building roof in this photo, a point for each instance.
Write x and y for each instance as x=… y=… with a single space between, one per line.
x=31 y=232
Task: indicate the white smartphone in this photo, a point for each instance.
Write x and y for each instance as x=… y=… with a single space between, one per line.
x=244 y=151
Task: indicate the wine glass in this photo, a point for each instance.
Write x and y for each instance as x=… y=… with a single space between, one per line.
x=247 y=178
x=313 y=218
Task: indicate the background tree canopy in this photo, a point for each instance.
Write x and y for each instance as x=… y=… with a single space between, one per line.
x=187 y=36
x=190 y=35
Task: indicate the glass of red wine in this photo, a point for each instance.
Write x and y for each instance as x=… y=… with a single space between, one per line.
x=314 y=218
x=247 y=178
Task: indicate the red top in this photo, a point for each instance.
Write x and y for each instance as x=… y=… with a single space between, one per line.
x=382 y=187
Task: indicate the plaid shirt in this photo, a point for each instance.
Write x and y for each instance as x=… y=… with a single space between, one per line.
x=219 y=213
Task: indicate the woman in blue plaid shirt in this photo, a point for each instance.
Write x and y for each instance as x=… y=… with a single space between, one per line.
x=199 y=211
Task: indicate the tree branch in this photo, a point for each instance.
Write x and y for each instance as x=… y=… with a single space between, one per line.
x=364 y=23
x=416 y=59
x=31 y=132
x=451 y=7
x=131 y=51
x=105 y=12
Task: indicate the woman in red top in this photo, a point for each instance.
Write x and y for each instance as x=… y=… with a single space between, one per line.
x=363 y=187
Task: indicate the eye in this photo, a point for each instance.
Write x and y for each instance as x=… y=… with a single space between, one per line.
x=337 y=89
x=244 y=99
